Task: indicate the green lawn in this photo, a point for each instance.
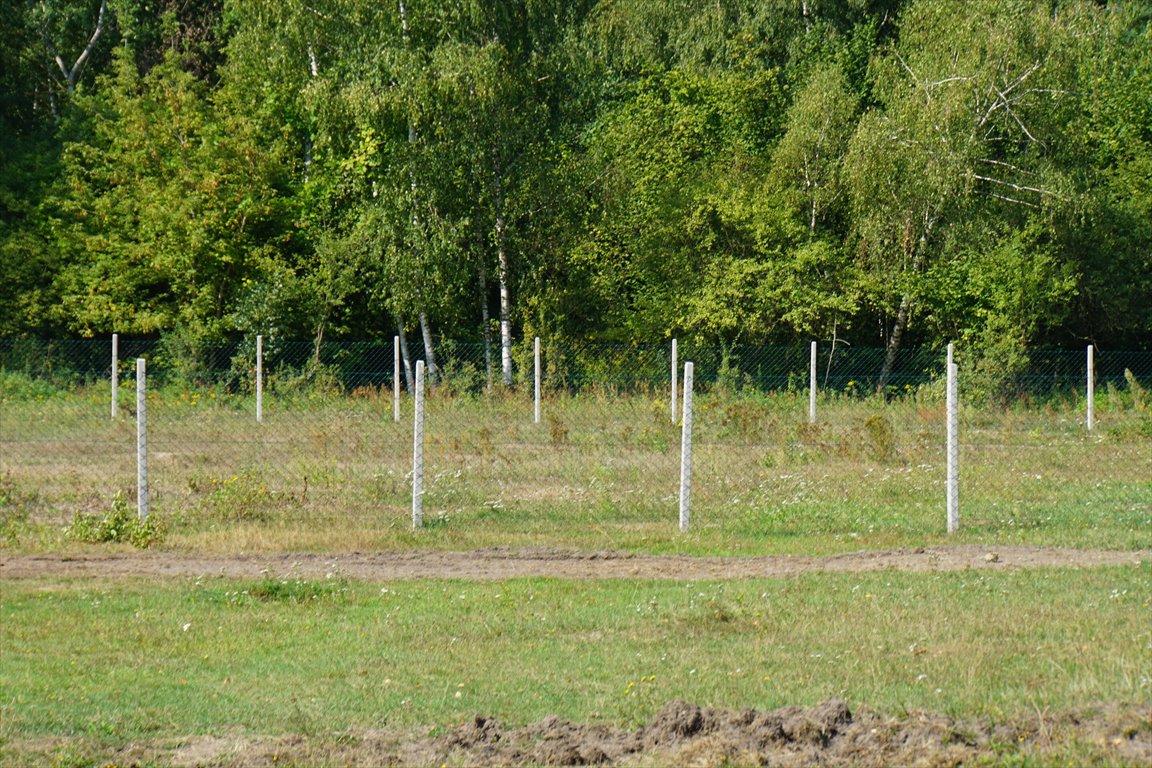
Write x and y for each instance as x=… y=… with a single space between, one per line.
x=103 y=663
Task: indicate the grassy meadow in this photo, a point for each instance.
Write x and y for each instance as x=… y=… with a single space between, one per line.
x=328 y=471
x=92 y=665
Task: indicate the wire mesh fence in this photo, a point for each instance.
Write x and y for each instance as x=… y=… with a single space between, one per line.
x=601 y=467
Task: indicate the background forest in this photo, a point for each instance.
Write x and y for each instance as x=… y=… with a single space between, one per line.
x=887 y=172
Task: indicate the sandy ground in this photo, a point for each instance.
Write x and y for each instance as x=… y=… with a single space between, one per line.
x=497 y=564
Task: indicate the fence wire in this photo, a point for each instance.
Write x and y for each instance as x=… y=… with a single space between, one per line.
x=602 y=466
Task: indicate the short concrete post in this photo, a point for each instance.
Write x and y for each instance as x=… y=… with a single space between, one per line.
x=418 y=449
x=259 y=379
x=686 y=451
x=536 y=369
x=952 y=452
x=115 y=371
x=141 y=442
x=675 y=373
x=812 y=385
x=1091 y=393
x=396 y=378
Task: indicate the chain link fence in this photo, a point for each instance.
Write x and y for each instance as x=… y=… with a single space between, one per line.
x=601 y=468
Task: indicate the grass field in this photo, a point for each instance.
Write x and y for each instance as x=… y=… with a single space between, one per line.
x=89 y=666
x=600 y=471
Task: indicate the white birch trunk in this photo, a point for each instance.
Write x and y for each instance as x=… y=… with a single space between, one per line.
x=485 y=320
x=429 y=352
x=404 y=355
x=396 y=378
x=72 y=73
x=505 y=303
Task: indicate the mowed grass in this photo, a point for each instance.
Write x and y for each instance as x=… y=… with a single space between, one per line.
x=92 y=665
x=601 y=470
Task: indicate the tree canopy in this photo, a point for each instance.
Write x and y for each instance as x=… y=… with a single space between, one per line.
x=887 y=172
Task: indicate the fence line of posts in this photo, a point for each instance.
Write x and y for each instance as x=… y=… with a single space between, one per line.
x=952 y=441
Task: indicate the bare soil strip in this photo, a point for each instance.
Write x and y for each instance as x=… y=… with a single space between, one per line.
x=497 y=564
x=828 y=734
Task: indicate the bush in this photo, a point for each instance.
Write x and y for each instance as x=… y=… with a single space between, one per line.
x=14 y=504
x=21 y=387
x=243 y=497
x=118 y=523
x=993 y=375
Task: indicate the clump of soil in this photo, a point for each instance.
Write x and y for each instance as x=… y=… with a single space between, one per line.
x=683 y=734
x=829 y=734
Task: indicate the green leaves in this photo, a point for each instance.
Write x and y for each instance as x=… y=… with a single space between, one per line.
x=166 y=206
x=603 y=168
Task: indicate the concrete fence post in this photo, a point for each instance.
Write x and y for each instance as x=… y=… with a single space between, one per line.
x=1090 y=419
x=686 y=451
x=418 y=449
x=952 y=482
x=536 y=378
x=396 y=378
x=675 y=373
x=115 y=371
x=141 y=441
x=812 y=385
x=259 y=379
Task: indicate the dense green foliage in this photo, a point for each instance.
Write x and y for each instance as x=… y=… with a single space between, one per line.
x=885 y=172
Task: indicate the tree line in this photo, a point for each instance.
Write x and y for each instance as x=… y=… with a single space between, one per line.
x=878 y=172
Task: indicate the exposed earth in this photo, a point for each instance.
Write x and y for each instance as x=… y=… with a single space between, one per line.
x=681 y=734
x=496 y=564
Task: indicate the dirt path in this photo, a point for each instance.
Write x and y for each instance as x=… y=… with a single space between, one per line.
x=496 y=564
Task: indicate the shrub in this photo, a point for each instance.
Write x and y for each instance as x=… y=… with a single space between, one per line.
x=880 y=439
x=14 y=504
x=242 y=497
x=118 y=523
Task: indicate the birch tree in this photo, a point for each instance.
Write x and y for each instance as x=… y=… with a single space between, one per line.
x=968 y=99
x=70 y=64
